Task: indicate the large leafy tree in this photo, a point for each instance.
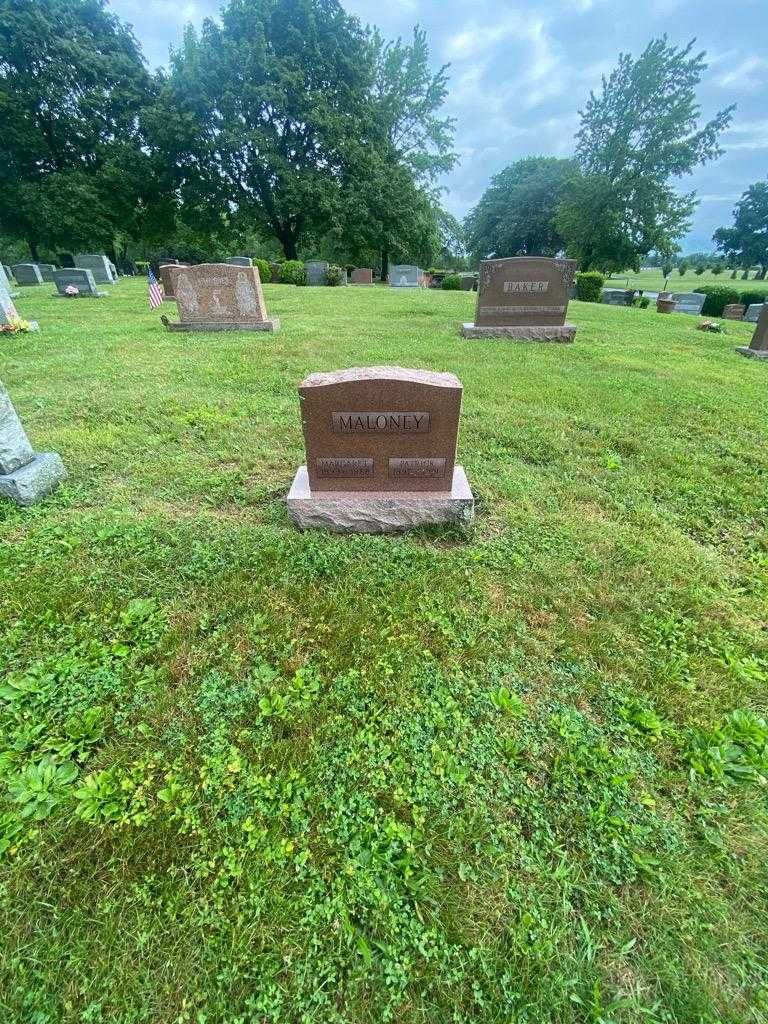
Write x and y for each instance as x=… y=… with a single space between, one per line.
x=746 y=243
x=636 y=137
x=516 y=214
x=72 y=83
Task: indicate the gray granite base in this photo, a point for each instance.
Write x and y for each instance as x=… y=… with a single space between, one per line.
x=82 y=295
x=752 y=353
x=217 y=325
x=378 y=511
x=564 y=334
x=36 y=480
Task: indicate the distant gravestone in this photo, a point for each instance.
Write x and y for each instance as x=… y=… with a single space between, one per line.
x=47 y=270
x=403 y=275
x=99 y=265
x=316 y=271
x=362 y=276
x=524 y=298
x=689 y=302
x=219 y=297
x=113 y=268
x=7 y=309
x=8 y=271
x=618 y=296
x=468 y=282
x=239 y=261
x=27 y=274
x=25 y=476
x=381 y=451
x=76 y=277
x=165 y=277
x=734 y=311
x=753 y=312
x=758 y=347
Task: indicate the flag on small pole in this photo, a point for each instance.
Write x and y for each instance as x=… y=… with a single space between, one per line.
x=155 y=295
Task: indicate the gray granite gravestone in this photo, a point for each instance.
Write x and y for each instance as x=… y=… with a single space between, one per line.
x=689 y=302
x=618 y=296
x=7 y=308
x=27 y=274
x=403 y=275
x=8 y=271
x=316 y=271
x=239 y=261
x=753 y=312
x=758 y=347
x=523 y=298
x=79 y=278
x=98 y=264
x=46 y=271
x=25 y=475
x=469 y=282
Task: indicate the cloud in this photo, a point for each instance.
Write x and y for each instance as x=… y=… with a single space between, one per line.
x=750 y=73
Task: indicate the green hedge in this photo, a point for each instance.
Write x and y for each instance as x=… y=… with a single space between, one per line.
x=589 y=286
x=718 y=296
x=451 y=283
x=293 y=272
x=265 y=271
x=333 y=275
x=749 y=298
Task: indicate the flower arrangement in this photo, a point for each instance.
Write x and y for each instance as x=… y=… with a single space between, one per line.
x=72 y=290
x=16 y=325
x=712 y=326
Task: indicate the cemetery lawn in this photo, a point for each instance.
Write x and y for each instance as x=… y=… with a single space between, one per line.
x=652 y=280
x=512 y=774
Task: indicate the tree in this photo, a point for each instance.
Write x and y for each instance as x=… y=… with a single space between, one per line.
x=638 y=135
x=746 y=243
x=682 y=268
x=667 y=269
x=72 y=84
x=516 y=213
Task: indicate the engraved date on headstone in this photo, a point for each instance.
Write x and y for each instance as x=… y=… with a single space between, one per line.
x=341 y=467
x=380 y=422
x=399 y=468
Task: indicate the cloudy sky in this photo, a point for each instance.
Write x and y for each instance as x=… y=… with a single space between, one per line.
x=520 y=71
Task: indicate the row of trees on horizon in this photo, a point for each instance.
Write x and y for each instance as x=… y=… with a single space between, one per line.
x=288 y=128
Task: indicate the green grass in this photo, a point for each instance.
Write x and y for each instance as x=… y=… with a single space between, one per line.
x=653 y=280
x=513 y=774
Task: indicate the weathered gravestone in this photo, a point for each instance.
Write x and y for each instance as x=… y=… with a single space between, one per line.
x=99 y=265
x=758 y=347
x=734 y=311
x=219 y=297
x=8 y=271
x=381 y=451
x=165 y=277
x=239 y=261
x=27 y=274
x=113 y=268
x=8 y=311
x=753 y=312
x=468 y=282
x=617 y=296
x=25 y=475
x=689 y=302
x=316 y=271
x=362 y=276
x=524 y=298
x=76 y=277
x=47 y=270
x=403 y=275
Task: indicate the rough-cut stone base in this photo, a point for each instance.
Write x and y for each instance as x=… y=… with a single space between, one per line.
x=35 y=481
x=563 y=334
x=752 y=353
x=217 y=325
x=378 y=511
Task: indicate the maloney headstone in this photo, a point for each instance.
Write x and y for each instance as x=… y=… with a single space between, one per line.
x=523 y=298
x=239 y=261
x=381 y=451
x=316 y=271
x=26 y=476
x=219 y=297
x=99 y=265
x=403 y=275
x=27 y=274
x=76 y=277
x=362 y=276
x=758 y=347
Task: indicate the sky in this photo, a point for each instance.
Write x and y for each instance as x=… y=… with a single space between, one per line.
x=520 y=72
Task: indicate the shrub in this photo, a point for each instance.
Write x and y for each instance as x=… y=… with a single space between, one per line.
x=142 y=266
x=641 y=302
x=276 y=270
x=682 y=269
x=699 y=270
x=451 y=283
x=589 y=286
x=718 y=296
x=333 y=275
x=293 y=272
x=748 y=297
x=265 y=272
x=717 y=269
x=667 y=270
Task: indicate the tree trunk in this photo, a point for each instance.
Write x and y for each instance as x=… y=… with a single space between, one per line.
x=384 y=264
x=34 y=250
x=288 y=243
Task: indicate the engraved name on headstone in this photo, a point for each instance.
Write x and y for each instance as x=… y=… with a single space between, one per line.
x=219 y=297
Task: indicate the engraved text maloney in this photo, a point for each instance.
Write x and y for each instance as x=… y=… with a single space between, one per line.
x=342 y=468
x=526 y=286
x=523 y=310
x=380 y=422
x=399 y=468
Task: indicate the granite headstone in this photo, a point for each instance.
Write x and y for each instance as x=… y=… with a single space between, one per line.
x=25 y=476
x=758 y=347
x=362 y=276
x=165 y=278
x=219 y=297
x=77 y=277
x=753 y=312
x=47 y=270
x=27 y=274
x=403 y=275
x=689 y=302
x=734 y=311
x=316 y=271
x=8 y=311
x=239 y=261
x=99 y=265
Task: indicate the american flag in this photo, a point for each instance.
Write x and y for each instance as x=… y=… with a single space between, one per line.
x=155 y=295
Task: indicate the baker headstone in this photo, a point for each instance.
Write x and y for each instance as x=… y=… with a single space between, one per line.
x=47 y=271
x=27 y=274
x=98 y=264
x=758 y=347
x=76 y=277
x=316 y=271
x=25 y=476
x=753 y=312
x=381 y=451
x=523 y=298
x=219 y=297
x=240 y=261
x=8 y=311
x=362 y=276
x=403 y=275
x=165 y=277
x=689 y=302
x=734 y=311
